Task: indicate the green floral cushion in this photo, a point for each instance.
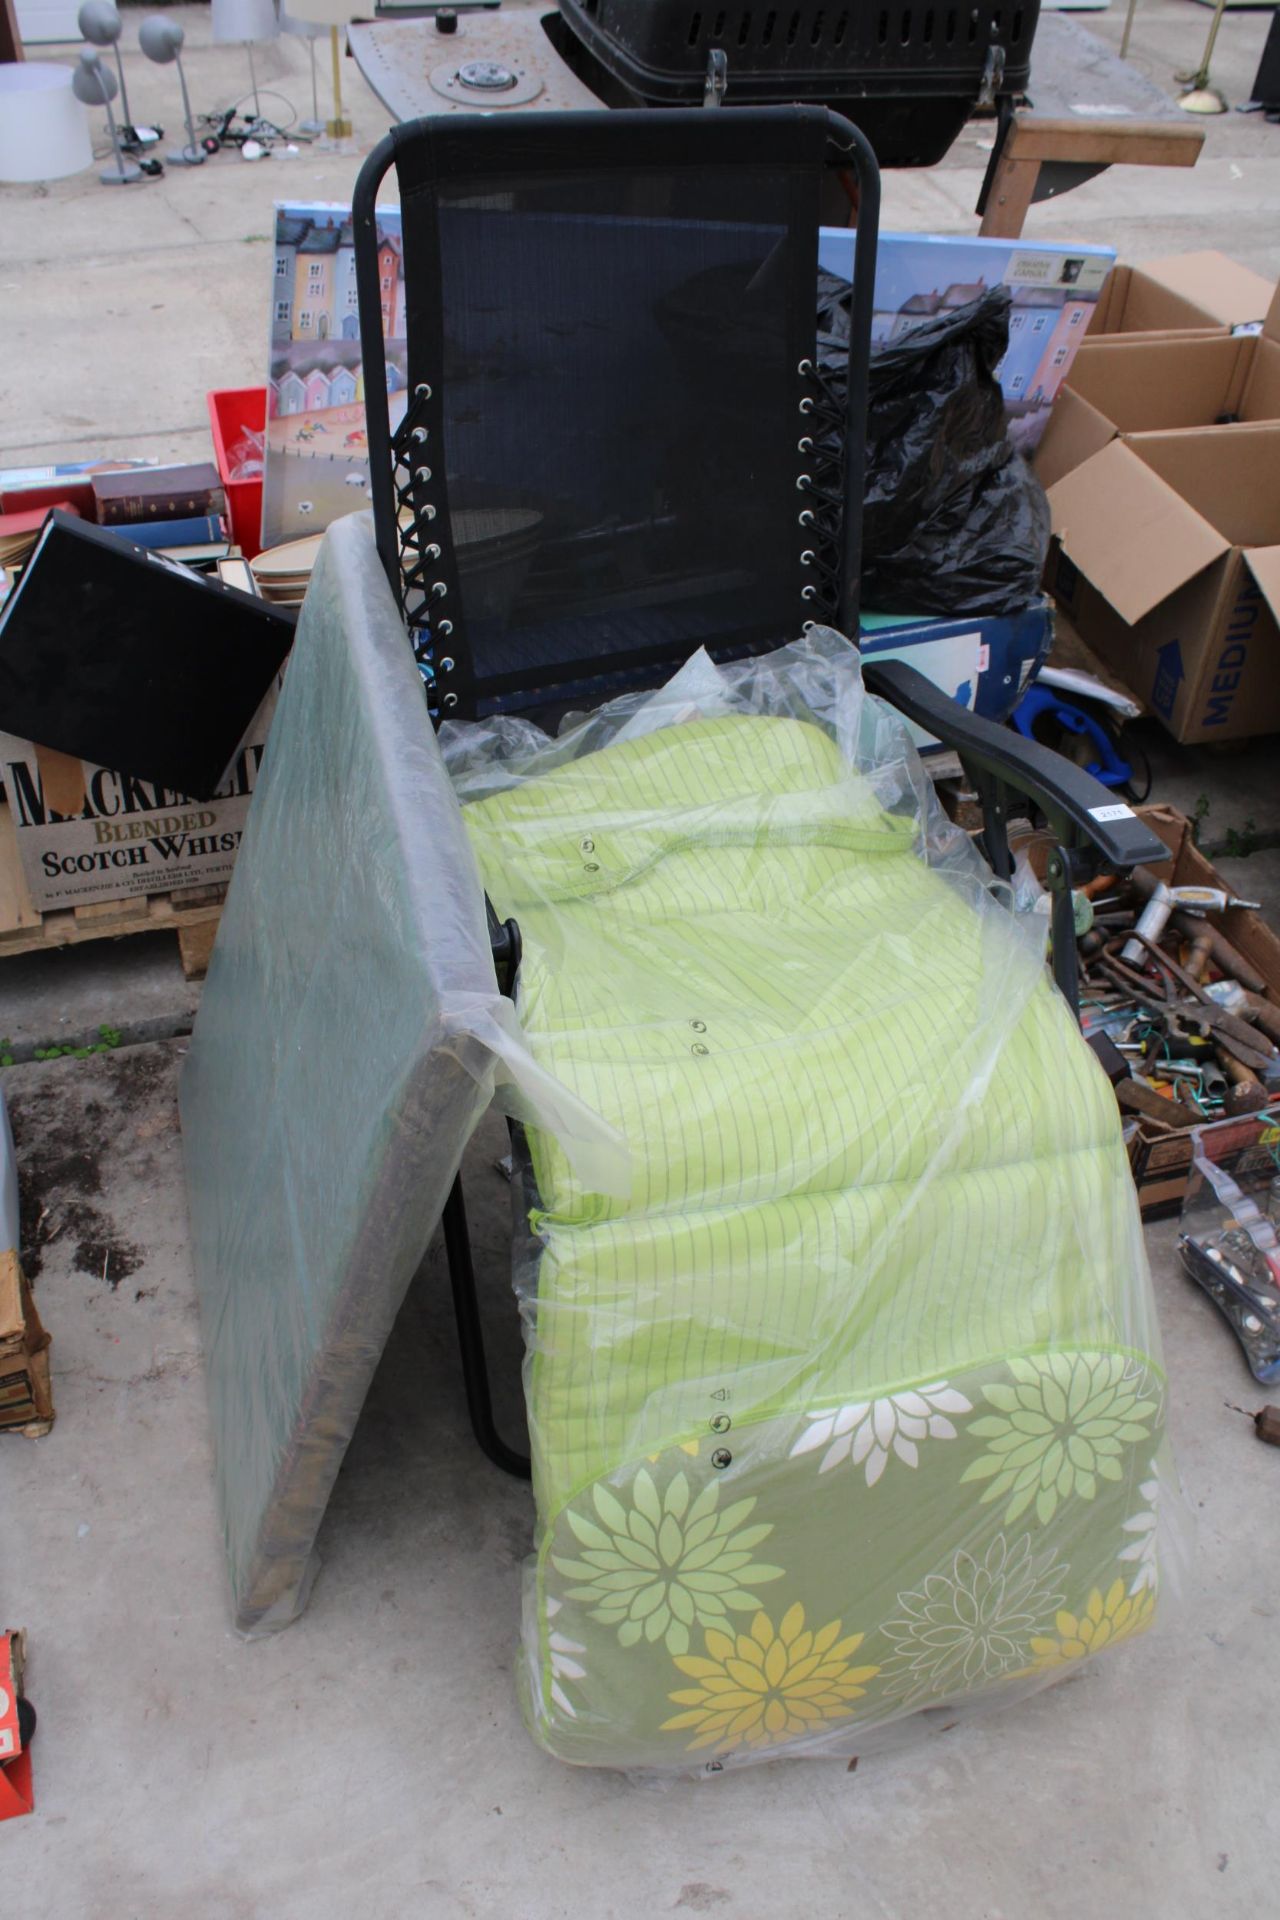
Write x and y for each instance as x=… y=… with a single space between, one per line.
x=850 y=1406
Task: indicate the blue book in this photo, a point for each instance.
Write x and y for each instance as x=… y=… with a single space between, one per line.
x=174 y=533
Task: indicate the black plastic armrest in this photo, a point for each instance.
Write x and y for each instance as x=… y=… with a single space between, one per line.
x=1077 y=807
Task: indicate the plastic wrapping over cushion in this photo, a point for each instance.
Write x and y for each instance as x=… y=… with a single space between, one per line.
x=350 y=1035
x=853 y=1405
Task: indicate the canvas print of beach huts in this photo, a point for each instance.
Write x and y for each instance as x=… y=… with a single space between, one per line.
x=315 y=462
x=1053 y=290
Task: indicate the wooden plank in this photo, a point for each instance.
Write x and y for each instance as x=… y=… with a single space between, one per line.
x=1084 y=107
x=195 y=945
x=16 y=909
x=63 y=930
x=199 y=896
x=135 y=909
x=58 y=927
x=1010 y=196
x=1130 y=143
x=195 y=927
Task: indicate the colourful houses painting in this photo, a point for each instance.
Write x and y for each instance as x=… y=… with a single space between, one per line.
x=315 y=463
x=315 y=276
x=1053 y=290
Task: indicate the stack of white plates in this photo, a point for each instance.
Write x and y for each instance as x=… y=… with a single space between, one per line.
x=284 y=573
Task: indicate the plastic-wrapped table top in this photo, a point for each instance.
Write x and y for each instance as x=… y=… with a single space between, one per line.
x=350 y=1035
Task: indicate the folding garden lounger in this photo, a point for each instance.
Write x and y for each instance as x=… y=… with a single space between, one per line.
x=843 y=1377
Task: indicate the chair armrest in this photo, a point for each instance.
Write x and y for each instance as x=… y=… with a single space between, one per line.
x=1077 y=807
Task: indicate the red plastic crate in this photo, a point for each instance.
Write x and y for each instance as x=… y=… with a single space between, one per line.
x=234 y=411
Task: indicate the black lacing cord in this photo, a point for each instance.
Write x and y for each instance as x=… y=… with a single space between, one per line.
x=821 y=481
x=821 y=446
x=419 y=550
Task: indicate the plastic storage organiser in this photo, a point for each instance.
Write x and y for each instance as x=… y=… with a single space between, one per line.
x=233 y=412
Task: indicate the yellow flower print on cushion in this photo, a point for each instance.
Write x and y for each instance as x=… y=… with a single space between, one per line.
x=761 y=1688
x=1104 y=1623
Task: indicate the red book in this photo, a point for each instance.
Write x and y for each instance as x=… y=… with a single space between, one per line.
x=19 y=531
x=74 y=493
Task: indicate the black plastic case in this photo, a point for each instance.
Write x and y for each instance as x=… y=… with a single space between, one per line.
x=908 y=75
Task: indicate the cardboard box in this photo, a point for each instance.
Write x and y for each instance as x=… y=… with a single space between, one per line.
x=87 y=834
x=1186 y=291
x=1166 y=558
x=1160 y=1157
x=1126 y=385
x=984 y=663
x=1209 y=380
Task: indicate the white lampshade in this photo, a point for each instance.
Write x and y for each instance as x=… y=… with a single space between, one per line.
x=44 y=129
x=244 y=20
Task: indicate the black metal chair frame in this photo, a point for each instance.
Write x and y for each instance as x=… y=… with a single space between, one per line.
x=1091 y=829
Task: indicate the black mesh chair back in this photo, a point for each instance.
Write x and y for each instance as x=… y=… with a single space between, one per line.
x=616 y=448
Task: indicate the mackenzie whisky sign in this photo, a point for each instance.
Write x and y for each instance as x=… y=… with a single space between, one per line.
x=87 y=833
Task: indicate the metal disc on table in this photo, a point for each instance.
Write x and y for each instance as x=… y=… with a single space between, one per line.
x=485 y=83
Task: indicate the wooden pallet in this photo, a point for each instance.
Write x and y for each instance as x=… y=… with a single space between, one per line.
x=191 y=913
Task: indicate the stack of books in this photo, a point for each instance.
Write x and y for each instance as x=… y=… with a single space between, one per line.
x=175 y=510
x=235 y=571
x=20 y=531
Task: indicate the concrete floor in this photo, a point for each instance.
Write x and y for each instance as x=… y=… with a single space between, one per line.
x=371 y=1761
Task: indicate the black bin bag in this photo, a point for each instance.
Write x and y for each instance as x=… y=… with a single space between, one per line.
x=956 y=522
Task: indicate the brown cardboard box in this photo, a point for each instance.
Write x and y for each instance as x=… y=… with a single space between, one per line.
x=1152 y=384
x=1074 y=431
x=1166 y=558
x=1186 y=291
x=86 y=834
x=1160 y=1157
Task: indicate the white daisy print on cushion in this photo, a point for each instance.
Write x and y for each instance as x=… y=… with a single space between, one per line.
x=563 y=1664
x=971 y=1625
x=869 y=1431
x=1143 y=1526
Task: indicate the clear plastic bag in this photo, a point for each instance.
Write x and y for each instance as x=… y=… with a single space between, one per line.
x=1230 y=1243
x=850 y=1405
x=244 y=462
